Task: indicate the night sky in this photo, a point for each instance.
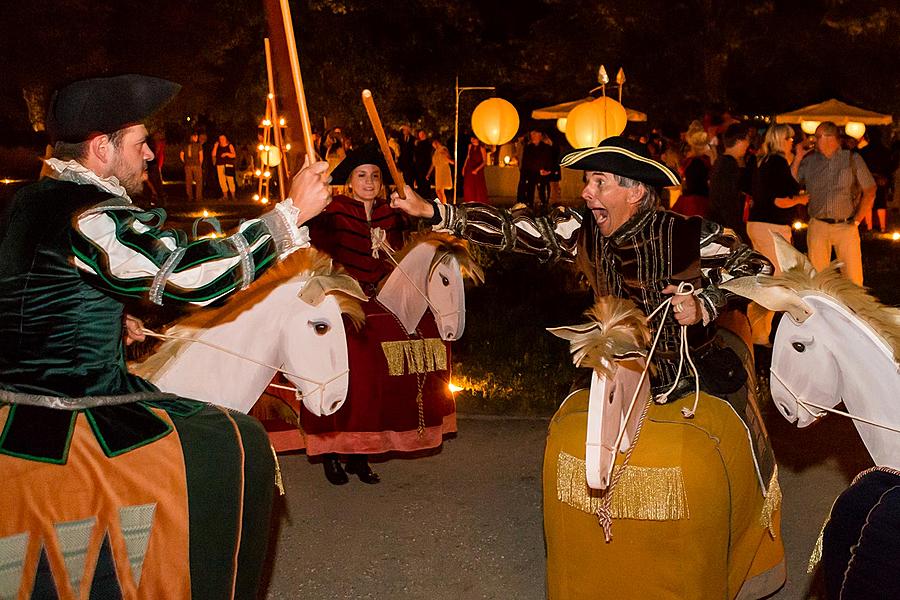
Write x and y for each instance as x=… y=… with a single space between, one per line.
x=680 y=58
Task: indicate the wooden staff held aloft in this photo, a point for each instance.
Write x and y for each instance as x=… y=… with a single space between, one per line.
x=369 y=103
x=298 y=81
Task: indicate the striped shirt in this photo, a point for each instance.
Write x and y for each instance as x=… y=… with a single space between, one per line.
x=833 y=189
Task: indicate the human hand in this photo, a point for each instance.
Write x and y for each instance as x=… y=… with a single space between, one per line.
x=413 y=205
x=310 y=191
x=134 y=330
x=686 y=307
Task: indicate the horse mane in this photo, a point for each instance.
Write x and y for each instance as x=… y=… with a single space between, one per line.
x=446 y=246
x=885 y=320
x=622 y=329
x=306 y=262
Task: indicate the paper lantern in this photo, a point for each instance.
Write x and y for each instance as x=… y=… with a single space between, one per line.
x=590 y=123
x=561 y=124
x=809 y=127
x=270 y=157
x=855 y=129
x=495 y=121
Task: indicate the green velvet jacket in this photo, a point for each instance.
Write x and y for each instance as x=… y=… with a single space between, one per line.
x=63 y=278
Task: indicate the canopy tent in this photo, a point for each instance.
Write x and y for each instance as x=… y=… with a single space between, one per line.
x=835 y=111
x=558 y=111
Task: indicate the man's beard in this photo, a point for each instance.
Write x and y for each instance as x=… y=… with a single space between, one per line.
x=133 y=182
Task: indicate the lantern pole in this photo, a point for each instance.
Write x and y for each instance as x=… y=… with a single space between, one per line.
x=460 y=90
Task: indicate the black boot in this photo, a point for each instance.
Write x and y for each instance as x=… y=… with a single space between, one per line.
x=333 y=471
x=358 y=465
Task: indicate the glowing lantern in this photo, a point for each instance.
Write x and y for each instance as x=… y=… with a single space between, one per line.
x=855 y=129
x=270 y=157
x=895 y=236
x=495 y=121
x=561 y=124
x=809 y=127
x=590 y=123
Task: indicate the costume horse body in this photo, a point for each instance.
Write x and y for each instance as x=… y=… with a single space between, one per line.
x=689 y=515
x=398 y=397
x=147 y=495
x=838 y=343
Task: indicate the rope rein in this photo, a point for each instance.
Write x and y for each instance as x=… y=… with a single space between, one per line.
x=320 y=385
x=604 y=512
x=806 y=404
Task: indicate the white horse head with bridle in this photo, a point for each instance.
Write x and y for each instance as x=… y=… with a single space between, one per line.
x=613 y=343
x=429 y=274
x=289 y=320
x=835 y=343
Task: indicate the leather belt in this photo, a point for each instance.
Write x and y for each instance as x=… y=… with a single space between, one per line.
x=846 y=221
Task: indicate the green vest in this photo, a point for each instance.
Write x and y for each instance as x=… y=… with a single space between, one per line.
x=59 y=335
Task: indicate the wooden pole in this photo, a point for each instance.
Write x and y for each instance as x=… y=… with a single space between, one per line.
x=283 y=168
x=298 y=80
x=369 y=103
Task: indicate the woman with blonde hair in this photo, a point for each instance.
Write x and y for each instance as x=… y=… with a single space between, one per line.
x=775 y=194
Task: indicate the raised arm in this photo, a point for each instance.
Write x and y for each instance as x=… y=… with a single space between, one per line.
x=123 y=250
x=550 y=238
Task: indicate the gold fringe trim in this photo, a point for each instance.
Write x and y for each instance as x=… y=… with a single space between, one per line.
x=771 y=504
x=279 y=481
x=644 y=493
x=816 y=555
x=415 y=356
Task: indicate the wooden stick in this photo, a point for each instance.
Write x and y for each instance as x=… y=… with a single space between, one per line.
x=369 y=103
x=298 y=80
x=283 y=169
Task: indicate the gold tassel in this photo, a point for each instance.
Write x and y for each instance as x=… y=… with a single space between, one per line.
x=415 y=356
x=771 y=504
x=279 y=482
x=816 y=555
x=643 y=493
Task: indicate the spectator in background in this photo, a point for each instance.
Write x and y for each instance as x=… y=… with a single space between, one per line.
x=878 y=159
x=695 y=167
x=407 y=159
x=334 y=148
x=474 y=184
x=192 y=157
x=422 y=161
x=834 y=179
x=555 y=176
x=224 y=156
x=730 y=179
x=775 y=194
x=440 y=164
x=534 y=171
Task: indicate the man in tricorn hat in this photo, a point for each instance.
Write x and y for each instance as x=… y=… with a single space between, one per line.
x=89 y=450
x=627 y=246
x=622 y=241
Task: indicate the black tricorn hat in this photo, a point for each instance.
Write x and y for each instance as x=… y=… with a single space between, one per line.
x=103 y=105
x=621 y=156
x=368 y=154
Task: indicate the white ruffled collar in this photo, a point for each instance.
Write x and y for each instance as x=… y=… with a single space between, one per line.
x=74 y=171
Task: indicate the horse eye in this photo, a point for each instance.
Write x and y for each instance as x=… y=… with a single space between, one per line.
x=321 y=328
x=444 y=280
x=798 y=346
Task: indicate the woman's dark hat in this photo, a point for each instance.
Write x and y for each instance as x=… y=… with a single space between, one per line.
x=369 y=154
x=91 y=107
x=621 y=156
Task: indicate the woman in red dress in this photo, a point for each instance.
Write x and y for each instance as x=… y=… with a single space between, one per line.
x=382 y=413
x=474 y=186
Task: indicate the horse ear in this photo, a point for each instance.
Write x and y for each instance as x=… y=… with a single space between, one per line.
x=773 y=297
x=789 y=257
x=318 y=286
x=570 y=332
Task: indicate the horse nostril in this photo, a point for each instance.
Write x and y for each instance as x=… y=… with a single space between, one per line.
x=334 y=406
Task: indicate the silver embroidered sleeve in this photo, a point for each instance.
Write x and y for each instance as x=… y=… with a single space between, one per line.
x=280 y=229
x=248 y=267
x=159 y=281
